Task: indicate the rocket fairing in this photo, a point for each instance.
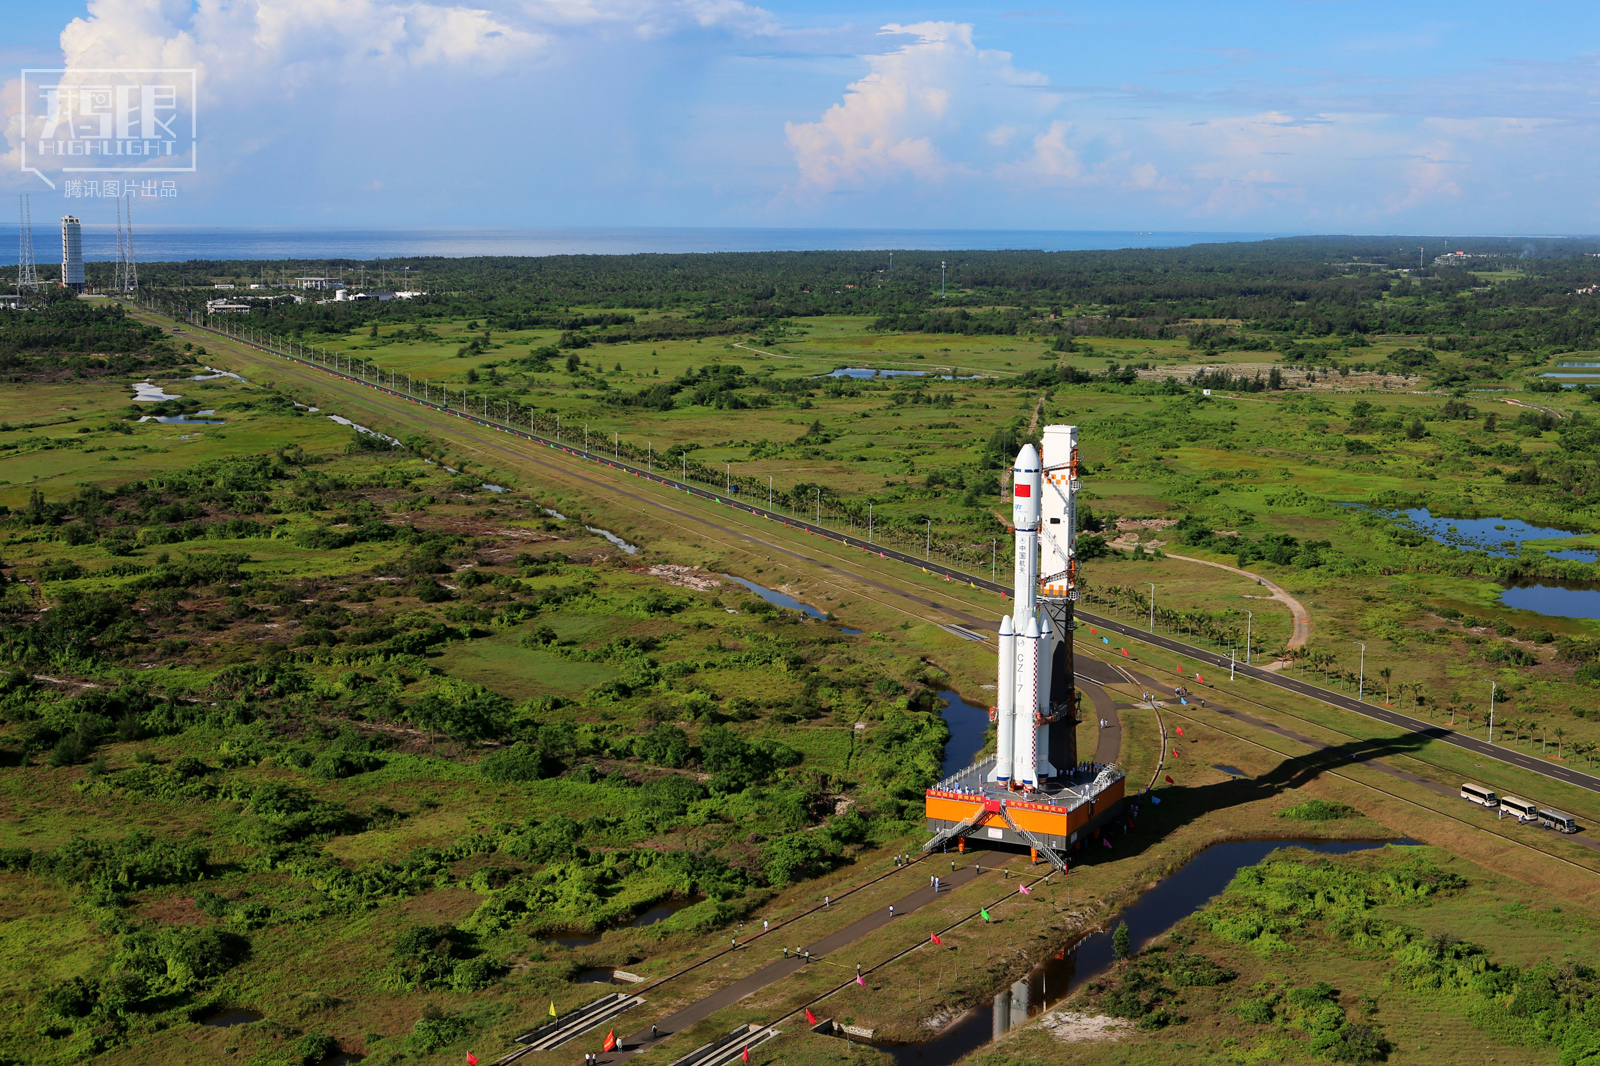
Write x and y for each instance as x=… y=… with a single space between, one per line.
x=1026 y=490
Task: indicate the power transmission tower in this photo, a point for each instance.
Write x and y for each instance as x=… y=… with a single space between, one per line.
x=27 y=269
x=119 y=278
x=130 y=269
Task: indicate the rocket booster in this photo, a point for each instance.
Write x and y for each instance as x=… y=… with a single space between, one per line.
x=1025 y=737
x=1041 y=742
x=1006 y=700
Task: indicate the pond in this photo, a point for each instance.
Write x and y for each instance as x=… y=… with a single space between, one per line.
x=631 y=549
x=185 y=420
x=212 y=373
x=869 y=372
x=1554 y=601
x=783 y=599
x=227 y=1019
x=1500 y=537
x=662 y=911
x=343 y=421
x=1153 y=913
x=144 y=392
x=969 y=726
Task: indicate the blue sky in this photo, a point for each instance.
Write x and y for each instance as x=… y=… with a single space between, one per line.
x=1337 y=116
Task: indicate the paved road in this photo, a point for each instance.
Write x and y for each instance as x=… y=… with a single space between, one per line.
x=439 y=416
x=776 y=971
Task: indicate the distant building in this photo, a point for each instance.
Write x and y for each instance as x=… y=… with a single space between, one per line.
x=223 y=307
x=225 y=285
x=318 y=283
x=71 y=253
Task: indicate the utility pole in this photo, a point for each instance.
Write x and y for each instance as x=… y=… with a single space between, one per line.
x=927 y=549
x=1152 y=585
x=1361 y=676
x=1248 y=626
x=769 y=492
x=1493 y=688
x=941 y=279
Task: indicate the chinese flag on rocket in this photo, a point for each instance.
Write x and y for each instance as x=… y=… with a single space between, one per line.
x=1024 y=489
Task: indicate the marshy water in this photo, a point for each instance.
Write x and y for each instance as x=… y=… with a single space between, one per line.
x=783 y=599
x=1174 y=898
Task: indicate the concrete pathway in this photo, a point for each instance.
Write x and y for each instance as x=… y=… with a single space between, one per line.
x=776 y=971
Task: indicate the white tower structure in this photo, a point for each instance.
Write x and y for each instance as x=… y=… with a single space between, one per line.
x=71 y=253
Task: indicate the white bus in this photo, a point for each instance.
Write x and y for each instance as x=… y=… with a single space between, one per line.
x=1560 y=822
x=1520 y=807
x=1479 y=795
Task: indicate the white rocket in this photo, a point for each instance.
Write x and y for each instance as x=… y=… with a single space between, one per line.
x=1027 y=641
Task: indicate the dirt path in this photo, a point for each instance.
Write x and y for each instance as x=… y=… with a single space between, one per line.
x=1302 y=617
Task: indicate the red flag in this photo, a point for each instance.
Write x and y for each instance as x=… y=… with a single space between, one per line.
x=811 y=1019
x=1180 y=730
x=1124 y=651
x=1094 y=631
x=936 y=940
x=746 y=1055
x=1174 y=753
x=472 y=1060
x=1170 y=781
x=611 y=1041
x=1198 y=678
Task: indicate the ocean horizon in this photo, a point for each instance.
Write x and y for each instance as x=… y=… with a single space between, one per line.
x=162 y=244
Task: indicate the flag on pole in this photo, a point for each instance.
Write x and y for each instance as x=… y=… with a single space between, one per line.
x=472 y=1060
x=935 y=938
x=1155 y=799
x=1170 y=781
x=985 y=913
x=860 y=981
x=1106 y=841
x=1183 y=701
x=1124 y=651
x=611 y=1041
x=811 y=1019
x=1175 y=753
x=1094 y=631
x=746 y=1056
x=552 y=1008
x=1105 y=640
x=1198 y=678
x=1180 y=730
x=1024 y=890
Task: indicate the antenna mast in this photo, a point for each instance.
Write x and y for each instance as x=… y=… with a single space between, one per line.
x=27 y=269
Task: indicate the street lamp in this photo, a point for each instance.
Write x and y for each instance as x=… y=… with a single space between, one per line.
x=927 y=551
x=819 y=507
x=728 y=484
x=685 y=457
x=1493 y=688
x=586 y=440
x=1361 y=678
x=1249 y=626
x=769 y=492
x=994 y=556
x=1152 y=585
x=649 y=457
x=869 y=523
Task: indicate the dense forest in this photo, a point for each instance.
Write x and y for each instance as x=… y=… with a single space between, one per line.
x=1299 y=287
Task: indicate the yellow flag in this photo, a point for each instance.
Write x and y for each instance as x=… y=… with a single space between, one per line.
x=552 y=1008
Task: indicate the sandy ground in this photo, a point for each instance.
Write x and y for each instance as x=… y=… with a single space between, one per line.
x=1071 y=1026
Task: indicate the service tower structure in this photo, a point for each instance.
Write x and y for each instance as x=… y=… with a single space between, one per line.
x=71 y=253
x=1035 y=790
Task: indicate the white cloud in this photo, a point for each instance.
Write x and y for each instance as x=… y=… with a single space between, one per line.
x=938 y=89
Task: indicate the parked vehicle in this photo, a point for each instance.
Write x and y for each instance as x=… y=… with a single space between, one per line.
x=1478 y=794
x=1557 y=820
x=1522 y=808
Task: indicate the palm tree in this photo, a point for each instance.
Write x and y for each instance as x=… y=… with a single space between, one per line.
x=1385 y=673
x=1559 y=733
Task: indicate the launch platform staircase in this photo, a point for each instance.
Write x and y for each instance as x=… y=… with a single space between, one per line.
x=558 y=1031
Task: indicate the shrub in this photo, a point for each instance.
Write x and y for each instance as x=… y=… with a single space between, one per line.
x=1316 y=810
x=437 y=1030
x=520 y=762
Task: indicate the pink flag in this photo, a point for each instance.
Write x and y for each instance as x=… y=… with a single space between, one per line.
x=1024 y=890
x=1106 y=841
x=860 y=981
